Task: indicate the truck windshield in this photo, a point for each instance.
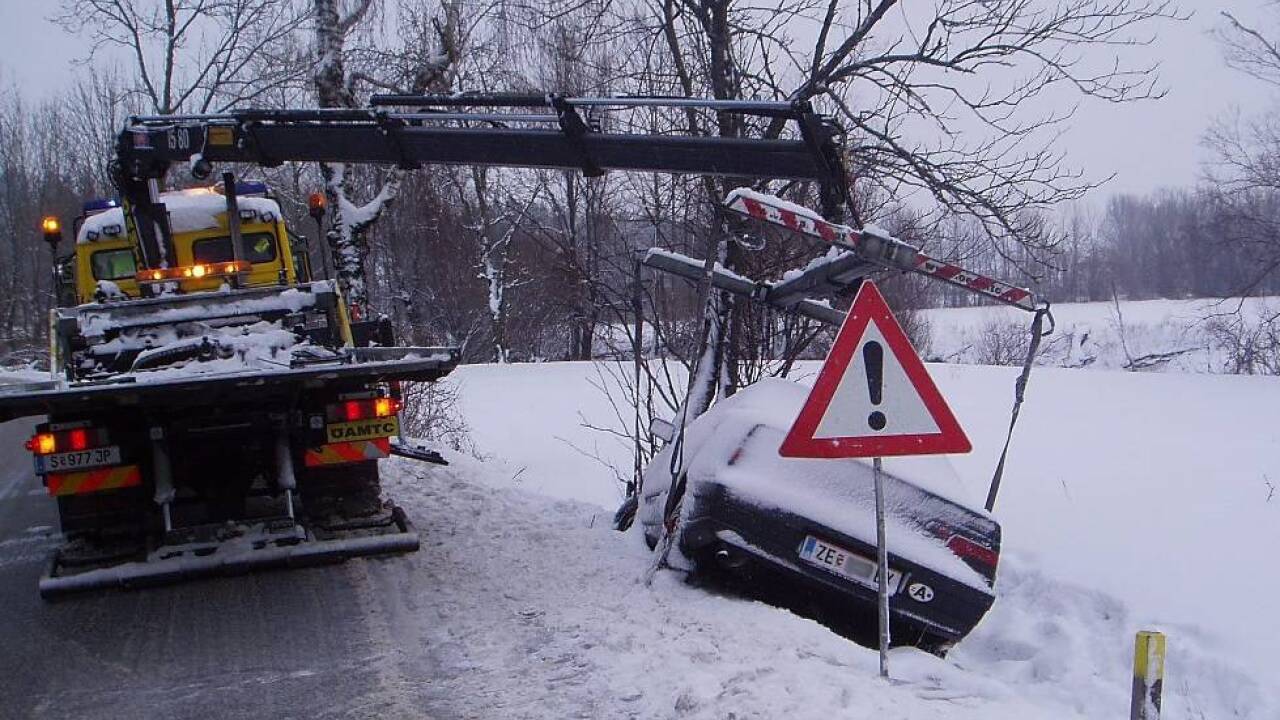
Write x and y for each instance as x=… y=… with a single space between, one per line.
x=113 y=264
x=259 y=247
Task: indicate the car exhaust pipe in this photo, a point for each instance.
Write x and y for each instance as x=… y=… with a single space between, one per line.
x=731 y=558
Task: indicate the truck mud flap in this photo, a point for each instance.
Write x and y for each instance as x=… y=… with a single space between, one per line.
x=416 y=451
x=401 y=537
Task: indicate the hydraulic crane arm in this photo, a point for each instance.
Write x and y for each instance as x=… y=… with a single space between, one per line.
x=496 y=130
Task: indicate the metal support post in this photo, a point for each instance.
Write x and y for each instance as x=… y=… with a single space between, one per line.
x=285 y=476
x=163 y=471
x=882 y=574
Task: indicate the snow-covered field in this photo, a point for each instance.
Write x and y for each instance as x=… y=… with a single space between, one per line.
x=1131 y=501
x=1164 y=335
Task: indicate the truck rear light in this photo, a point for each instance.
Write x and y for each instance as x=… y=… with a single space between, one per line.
x=43 y=444
x=386 y=407
x=48 y=443
x=352 y=410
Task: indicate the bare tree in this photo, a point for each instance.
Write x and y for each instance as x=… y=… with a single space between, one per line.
x=193 y=55
x=426 y=63
x=1244 y=174
x=957 y=103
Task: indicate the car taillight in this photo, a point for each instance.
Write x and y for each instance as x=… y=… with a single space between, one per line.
x=967 y=549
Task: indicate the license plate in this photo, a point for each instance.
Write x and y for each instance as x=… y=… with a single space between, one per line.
x=78 y=459
x=362 y=430
x=853 y=566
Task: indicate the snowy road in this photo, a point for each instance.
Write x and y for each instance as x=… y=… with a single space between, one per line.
x=307 y=643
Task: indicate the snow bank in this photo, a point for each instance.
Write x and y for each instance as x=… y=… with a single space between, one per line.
x=521 y=606
x=1151 y=488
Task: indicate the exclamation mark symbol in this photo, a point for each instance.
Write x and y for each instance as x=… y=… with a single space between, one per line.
x=873 y=359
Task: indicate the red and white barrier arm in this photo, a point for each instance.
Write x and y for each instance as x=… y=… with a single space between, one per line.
x=872 y=244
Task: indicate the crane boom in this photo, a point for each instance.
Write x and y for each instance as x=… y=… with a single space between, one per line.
x=521 y=131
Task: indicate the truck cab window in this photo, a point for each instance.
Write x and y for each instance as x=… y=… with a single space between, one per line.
x=113 y=264
x=259 y=247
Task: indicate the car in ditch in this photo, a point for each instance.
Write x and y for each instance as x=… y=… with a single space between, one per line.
x=735 y=507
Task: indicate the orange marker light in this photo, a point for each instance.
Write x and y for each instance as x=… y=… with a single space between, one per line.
x=42 y=444
x=385 y=407
x=229 y=269
x=315 y=204
x=199 y=271
x=51 y=225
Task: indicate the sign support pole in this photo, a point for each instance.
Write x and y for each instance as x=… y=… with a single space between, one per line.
x=882 y=563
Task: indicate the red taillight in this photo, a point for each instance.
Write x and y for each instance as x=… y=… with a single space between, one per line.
x=965 y=548
x=352 y=410
x=79 y=439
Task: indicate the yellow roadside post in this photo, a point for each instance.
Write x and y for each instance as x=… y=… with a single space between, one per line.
x=1148 y=675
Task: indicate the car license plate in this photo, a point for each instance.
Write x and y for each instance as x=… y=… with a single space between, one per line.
x=78 y=459
x=836 y=559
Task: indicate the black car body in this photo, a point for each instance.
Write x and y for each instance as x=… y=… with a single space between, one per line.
x=810 y=523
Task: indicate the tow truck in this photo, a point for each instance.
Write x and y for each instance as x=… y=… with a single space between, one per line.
x=215 y=408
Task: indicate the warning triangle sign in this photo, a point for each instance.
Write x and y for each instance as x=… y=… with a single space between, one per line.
x=873 y=397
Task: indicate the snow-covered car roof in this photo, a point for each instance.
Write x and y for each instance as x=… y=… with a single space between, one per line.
x=190 y=210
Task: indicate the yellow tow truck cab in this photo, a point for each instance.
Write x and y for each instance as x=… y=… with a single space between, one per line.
x=105 y=261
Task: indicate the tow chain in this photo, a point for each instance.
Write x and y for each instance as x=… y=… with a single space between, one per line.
x=1038 y=332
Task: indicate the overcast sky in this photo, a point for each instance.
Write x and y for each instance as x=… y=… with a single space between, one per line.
x=1146 y=145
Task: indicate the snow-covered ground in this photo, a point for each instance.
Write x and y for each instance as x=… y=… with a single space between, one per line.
x=1164 y=335
x=541 y=612
x=1130 y=501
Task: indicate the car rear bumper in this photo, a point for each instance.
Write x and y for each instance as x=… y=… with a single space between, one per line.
x=719 y=521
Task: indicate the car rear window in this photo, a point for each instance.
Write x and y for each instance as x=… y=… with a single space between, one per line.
x=259 y=247
x=113 y=264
